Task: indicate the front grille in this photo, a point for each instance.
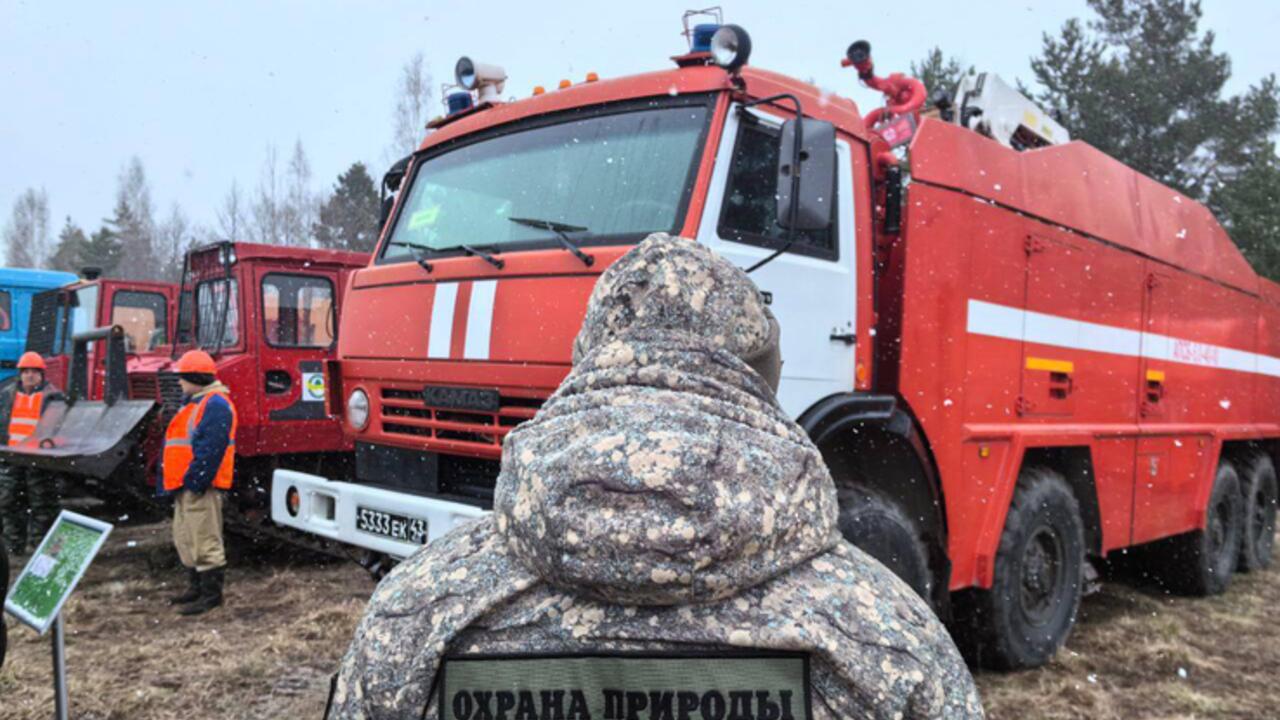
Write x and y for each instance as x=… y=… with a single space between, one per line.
x=170 y=390
x=143 y=387
x=42 y=331
x=160 y=387
x=404 y=412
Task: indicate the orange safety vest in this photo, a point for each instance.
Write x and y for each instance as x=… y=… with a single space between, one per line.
x=178 y=455
x=25 y=415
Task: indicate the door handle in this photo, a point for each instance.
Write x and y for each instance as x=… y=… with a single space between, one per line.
x=846 y=338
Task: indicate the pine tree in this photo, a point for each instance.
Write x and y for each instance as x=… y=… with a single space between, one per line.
x=939 y=72
x=349 y=218
x=106 y=252
x=73 y=246
x=1143 y=83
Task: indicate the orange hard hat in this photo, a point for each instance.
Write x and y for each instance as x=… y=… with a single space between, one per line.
x=196 y=361
x=31 y=361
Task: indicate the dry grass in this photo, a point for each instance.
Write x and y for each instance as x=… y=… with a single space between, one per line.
x=270 y=651
x=1138 y=652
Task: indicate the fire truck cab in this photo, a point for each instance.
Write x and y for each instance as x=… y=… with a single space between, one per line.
x=1014 y=352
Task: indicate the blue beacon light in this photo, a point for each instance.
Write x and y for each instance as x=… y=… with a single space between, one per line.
x=458 y=102
x=702 y=37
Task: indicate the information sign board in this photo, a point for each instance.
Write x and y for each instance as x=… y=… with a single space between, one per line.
x=54 y=570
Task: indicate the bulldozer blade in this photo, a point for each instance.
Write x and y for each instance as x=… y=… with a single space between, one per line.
x=83 y=439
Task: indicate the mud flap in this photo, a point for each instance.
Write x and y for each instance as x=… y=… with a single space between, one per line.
x=84 y=439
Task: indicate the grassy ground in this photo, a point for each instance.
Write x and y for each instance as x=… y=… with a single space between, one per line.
x=1136 y=653
x=268 y=653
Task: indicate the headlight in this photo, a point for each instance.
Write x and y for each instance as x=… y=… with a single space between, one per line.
x=730 y=47
x=358 y=410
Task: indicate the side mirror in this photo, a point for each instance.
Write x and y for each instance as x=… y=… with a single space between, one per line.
x=817 y=173
x=390 y=185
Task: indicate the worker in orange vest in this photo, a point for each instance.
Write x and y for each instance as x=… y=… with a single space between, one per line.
x=29 y=498
x=198 y=461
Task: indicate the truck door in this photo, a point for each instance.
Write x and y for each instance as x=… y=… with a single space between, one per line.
x=298 y=329
x=1166 y=467
x=1055 y=276
x=812 y=289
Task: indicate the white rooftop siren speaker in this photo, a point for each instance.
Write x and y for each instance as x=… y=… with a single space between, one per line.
x=988 y=105
x=487 y=80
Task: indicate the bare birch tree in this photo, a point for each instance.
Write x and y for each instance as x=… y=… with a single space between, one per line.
x=298 y=212
x=173 y=240
x=267 y=226
x=27 y=233
x=412 y=108
x=233 y=225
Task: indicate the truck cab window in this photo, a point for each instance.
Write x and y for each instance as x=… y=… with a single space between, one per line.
x=144 y=317
x=297 y=310
x=6 y=309
x=82 y=306
x=210 y=298
x=749 y=214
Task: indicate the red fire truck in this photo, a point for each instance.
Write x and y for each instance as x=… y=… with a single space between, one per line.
x=1015 y=353
x=267 y=314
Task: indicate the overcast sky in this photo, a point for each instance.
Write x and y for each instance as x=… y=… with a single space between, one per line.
x=198 y=90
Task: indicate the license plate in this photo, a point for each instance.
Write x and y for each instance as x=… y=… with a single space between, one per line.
x=390 y=525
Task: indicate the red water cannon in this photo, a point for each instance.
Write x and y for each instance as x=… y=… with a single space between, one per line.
x=904 y=96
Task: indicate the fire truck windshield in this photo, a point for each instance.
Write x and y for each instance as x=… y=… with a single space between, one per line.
x=622 y=172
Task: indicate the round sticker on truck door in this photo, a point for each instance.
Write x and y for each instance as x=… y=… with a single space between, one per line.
x=313 y=387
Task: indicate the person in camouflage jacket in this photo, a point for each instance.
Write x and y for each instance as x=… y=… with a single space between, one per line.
x=660 y=500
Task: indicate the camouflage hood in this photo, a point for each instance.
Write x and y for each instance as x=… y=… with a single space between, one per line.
x=663 y=470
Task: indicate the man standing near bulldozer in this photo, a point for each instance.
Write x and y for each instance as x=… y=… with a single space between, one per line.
x=28 y=497
x=197 y=467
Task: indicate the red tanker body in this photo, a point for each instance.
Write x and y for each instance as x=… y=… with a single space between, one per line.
x=1027 y=356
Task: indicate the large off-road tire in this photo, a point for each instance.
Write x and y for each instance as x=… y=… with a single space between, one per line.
x=879 y=527
x=1201 y=562
x=1027 y=614
x=1258 y=536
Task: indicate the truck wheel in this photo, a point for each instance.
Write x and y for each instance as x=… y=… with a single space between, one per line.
x=880 y=528
x=1031 y=607
x=1260 y=493
x=1201 y=562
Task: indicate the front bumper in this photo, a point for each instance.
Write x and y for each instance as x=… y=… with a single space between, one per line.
x=328 y=508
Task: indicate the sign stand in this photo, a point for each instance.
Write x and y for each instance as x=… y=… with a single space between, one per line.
x=59 y=671
x=49 y=578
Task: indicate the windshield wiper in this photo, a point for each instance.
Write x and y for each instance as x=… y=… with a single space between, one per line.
x=493 y=260
x=562 y=234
